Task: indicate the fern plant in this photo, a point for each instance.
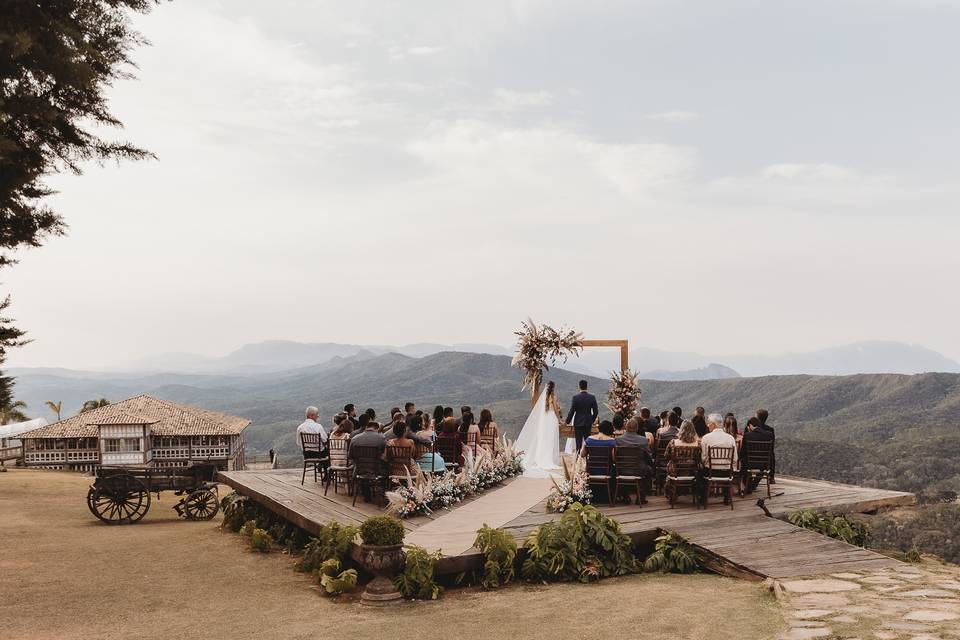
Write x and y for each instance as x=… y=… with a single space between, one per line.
x=583 y=545
x=672 y=554
x=833 y=525
x=333 y=580
x=332 y=543
x=499 y=550
x=417 y=580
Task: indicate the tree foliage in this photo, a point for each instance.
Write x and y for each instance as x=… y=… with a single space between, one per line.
x=57 y=59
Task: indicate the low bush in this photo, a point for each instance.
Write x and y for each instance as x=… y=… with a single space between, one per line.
x=672 y=554
x=832 y=525
x=248 y=528
x=417 y=580
x=499 y=550
x=582 y=545
x=382 y=531
x=260 y=541
x=333 y=580
x=332 y=543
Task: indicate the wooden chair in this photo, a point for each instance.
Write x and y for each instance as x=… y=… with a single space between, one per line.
x=488 y=441
x=340 y=470
x=449 y=450
x=401 y=465
x=756 y=463
x=368 y=472
x=600 y=468
x=471 y=441
x=718 y=473
x=426 y=449
x=633 y=470
x=660 y=462
x=312 y=449
x=682 y=472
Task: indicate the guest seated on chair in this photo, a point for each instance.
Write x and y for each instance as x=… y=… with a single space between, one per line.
x=754 y=433
x=717 y=437
x=362 y=423
x=469 y=431
x=603 y=439
x=687 y=436
x=489 y=431
x=428 y=459
x=369 y=437
x=338 y=457
x=672 y=428
x=310 y=425
x=633 y=437
x=399 y=439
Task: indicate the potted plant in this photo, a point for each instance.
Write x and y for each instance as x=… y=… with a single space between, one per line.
x=381 y=553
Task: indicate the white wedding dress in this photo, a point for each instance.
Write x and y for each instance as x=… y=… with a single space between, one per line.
x=540 y=441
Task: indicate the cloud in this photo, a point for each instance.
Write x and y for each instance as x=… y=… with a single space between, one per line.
x=674 y=117
x=508 y=100
x=425 y=51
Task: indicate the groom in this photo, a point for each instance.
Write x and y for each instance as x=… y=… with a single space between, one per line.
x=583 y=412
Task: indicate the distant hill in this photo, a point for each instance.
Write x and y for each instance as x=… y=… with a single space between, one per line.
x=712 y=371
x=863 y=423
x=861 y=357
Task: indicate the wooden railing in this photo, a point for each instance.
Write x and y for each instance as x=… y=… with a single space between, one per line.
x=11 y=453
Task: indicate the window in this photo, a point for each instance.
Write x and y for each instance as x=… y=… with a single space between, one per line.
x=111 y=445
x=130 y=445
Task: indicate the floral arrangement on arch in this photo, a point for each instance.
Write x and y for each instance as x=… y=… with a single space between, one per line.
x=539 y=348
x=426 y=493
x=576 y=488
x=624 y=394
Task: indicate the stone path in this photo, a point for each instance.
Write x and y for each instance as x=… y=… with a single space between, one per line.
x=907 y=602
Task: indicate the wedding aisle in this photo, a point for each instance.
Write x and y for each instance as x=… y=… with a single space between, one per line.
x=455 y=532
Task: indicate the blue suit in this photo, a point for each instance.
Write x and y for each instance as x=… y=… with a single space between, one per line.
x=583 y=413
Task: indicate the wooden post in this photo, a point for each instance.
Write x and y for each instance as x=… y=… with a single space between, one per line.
x=534 y=394
x=622 y=344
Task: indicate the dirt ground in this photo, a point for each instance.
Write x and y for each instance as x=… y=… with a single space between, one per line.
x=63 y=574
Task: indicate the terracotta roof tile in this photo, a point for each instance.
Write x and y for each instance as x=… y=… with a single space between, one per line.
x=167 y=418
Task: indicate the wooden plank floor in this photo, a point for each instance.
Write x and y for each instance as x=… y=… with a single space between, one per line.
x=742 y=540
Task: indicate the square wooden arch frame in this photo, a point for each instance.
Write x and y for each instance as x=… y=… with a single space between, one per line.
x=623 y=345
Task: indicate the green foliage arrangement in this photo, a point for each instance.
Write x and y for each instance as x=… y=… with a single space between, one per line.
x=417 y=580
x=583 y=545
x=832 y=525
x=248 y=528
x=382 y=531
x=672 y=554
x=236 y=509
x=332 y=543
x=260 y=541
x=499 y=550
x=333 y=580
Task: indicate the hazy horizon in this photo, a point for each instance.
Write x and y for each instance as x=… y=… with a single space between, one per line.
x=719 y=178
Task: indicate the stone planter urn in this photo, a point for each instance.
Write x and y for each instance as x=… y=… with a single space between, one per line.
x=384 y=562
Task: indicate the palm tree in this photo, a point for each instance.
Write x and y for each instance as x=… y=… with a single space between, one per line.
x=55 y=407
x=90 y=405
x=11 y=412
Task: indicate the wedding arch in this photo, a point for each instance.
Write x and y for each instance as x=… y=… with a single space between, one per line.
x=540 y=347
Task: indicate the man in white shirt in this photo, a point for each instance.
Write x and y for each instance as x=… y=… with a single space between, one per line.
x=310 y=425
x=717 y=437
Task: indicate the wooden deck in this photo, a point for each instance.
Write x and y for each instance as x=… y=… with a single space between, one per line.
x=742 y=541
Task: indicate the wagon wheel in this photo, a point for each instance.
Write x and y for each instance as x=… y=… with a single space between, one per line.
x=118 y=499
x=201 y=505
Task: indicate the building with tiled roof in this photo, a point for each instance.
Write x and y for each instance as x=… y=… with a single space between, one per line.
x=142 y=430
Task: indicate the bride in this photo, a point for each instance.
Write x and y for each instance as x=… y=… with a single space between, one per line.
x=540 y=437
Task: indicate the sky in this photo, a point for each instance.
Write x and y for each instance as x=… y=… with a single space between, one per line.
x=717 y=176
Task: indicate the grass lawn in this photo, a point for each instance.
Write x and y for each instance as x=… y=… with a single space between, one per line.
x=63 y=574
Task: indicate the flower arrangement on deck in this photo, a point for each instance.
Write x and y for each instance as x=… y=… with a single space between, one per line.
x=575 y=488
x=426 y=493
x=539 y=348
x=624 y=394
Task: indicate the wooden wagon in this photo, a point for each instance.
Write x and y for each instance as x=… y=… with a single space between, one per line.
x=121 y=495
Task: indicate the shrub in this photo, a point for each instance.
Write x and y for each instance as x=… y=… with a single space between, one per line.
x=583 y=545
x=333 y=580
x=260 y=541
x=382 y=531
x=832 y=525
x=248 y=528
x=332 y=543
x=499 y=550
x=237 y=509
x=417 y=581
x=672 y=554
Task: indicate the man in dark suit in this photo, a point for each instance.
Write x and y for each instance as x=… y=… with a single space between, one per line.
x=762 y=415
x=754 y=433
x=583 y=413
